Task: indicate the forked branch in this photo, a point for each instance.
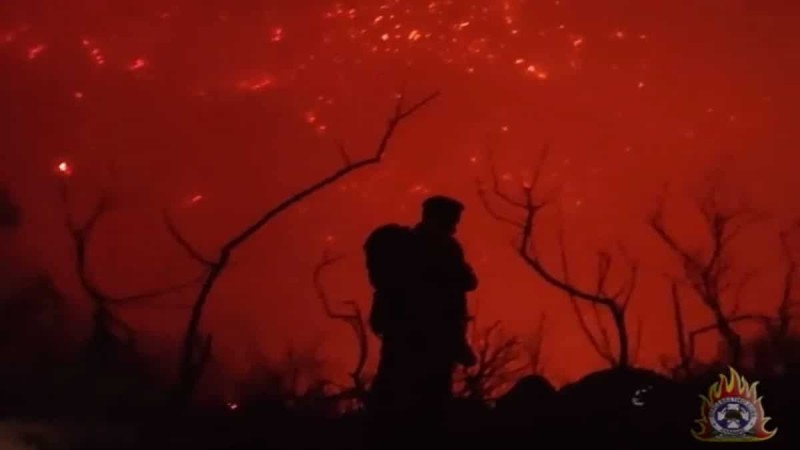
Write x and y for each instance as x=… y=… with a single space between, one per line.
x=500 y=360
x=352 y=317
x=710 y=275
x=186 y=377
x=107 y=327
x=527 y=204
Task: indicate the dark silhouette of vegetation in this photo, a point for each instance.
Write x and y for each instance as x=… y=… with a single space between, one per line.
x=196 y=347
x=110 y=336
x=348 y=312
x=501 y=359
x=527 y=203
x=710 y=274
x=287 y=402
x=716 y=284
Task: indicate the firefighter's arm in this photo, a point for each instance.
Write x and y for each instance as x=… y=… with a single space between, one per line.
x=463 y=274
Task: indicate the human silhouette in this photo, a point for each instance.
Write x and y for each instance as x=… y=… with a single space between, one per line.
x=420 y=280
x=445 y=276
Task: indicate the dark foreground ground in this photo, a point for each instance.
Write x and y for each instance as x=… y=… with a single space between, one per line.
x=630 y=410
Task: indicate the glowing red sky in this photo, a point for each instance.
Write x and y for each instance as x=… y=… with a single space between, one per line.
x=237 y=104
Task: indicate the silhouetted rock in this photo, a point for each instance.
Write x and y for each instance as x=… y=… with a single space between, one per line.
x=531 y=396
x=625 y=405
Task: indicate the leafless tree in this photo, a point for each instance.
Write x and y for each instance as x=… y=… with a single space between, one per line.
x=189 y=370
x=685 y=351
x=500 y=360
x=533 y=347
x=778 y=347
x=781 y=328
x=527 y=203
x=109 y=333
x=777 y=327
x=349 y=312
x=285 y=378
x=302 y=367
x=710 y=274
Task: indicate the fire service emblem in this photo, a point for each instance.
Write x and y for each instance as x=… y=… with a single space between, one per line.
x=732 y=412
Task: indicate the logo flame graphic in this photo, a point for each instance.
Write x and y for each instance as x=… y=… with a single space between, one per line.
x=732 y=387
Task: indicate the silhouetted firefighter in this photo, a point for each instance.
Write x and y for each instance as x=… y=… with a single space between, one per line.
x=420 y=280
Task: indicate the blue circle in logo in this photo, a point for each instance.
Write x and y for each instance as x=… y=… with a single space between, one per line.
x=733 y=416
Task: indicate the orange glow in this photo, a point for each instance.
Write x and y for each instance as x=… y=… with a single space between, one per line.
x=257 y=84
x=34 y=52
x=64 y=168
x=221 y=110
x=276 y=34
x=139 y=63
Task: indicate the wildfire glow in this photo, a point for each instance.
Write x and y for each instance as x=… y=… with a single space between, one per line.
x=94 y=52
x=163 y=89
x=64 y=168
x=734 y=386
x=257 y=84
x=276 y=34
x=139 y=63
x=34 y=52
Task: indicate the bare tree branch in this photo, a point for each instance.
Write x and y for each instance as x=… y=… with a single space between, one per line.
x=784 y=308
x=124 y=301
x=529 y=206
x=492 y=211
x=186 y=378
x=601 y=348
x=104 y=322
x=184 y=243
x=694 y=334
x=738 y=289
x=499 y=362
x=709 y=278
x=685 y=352
x=534 y=347
x=353 y=318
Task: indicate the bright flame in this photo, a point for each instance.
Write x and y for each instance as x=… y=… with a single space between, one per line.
x=276 y=34
x=233 y=406
x=256 y=84
x=734 y=386
x=139 y=63
x=34 y=52
x=64 y=168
